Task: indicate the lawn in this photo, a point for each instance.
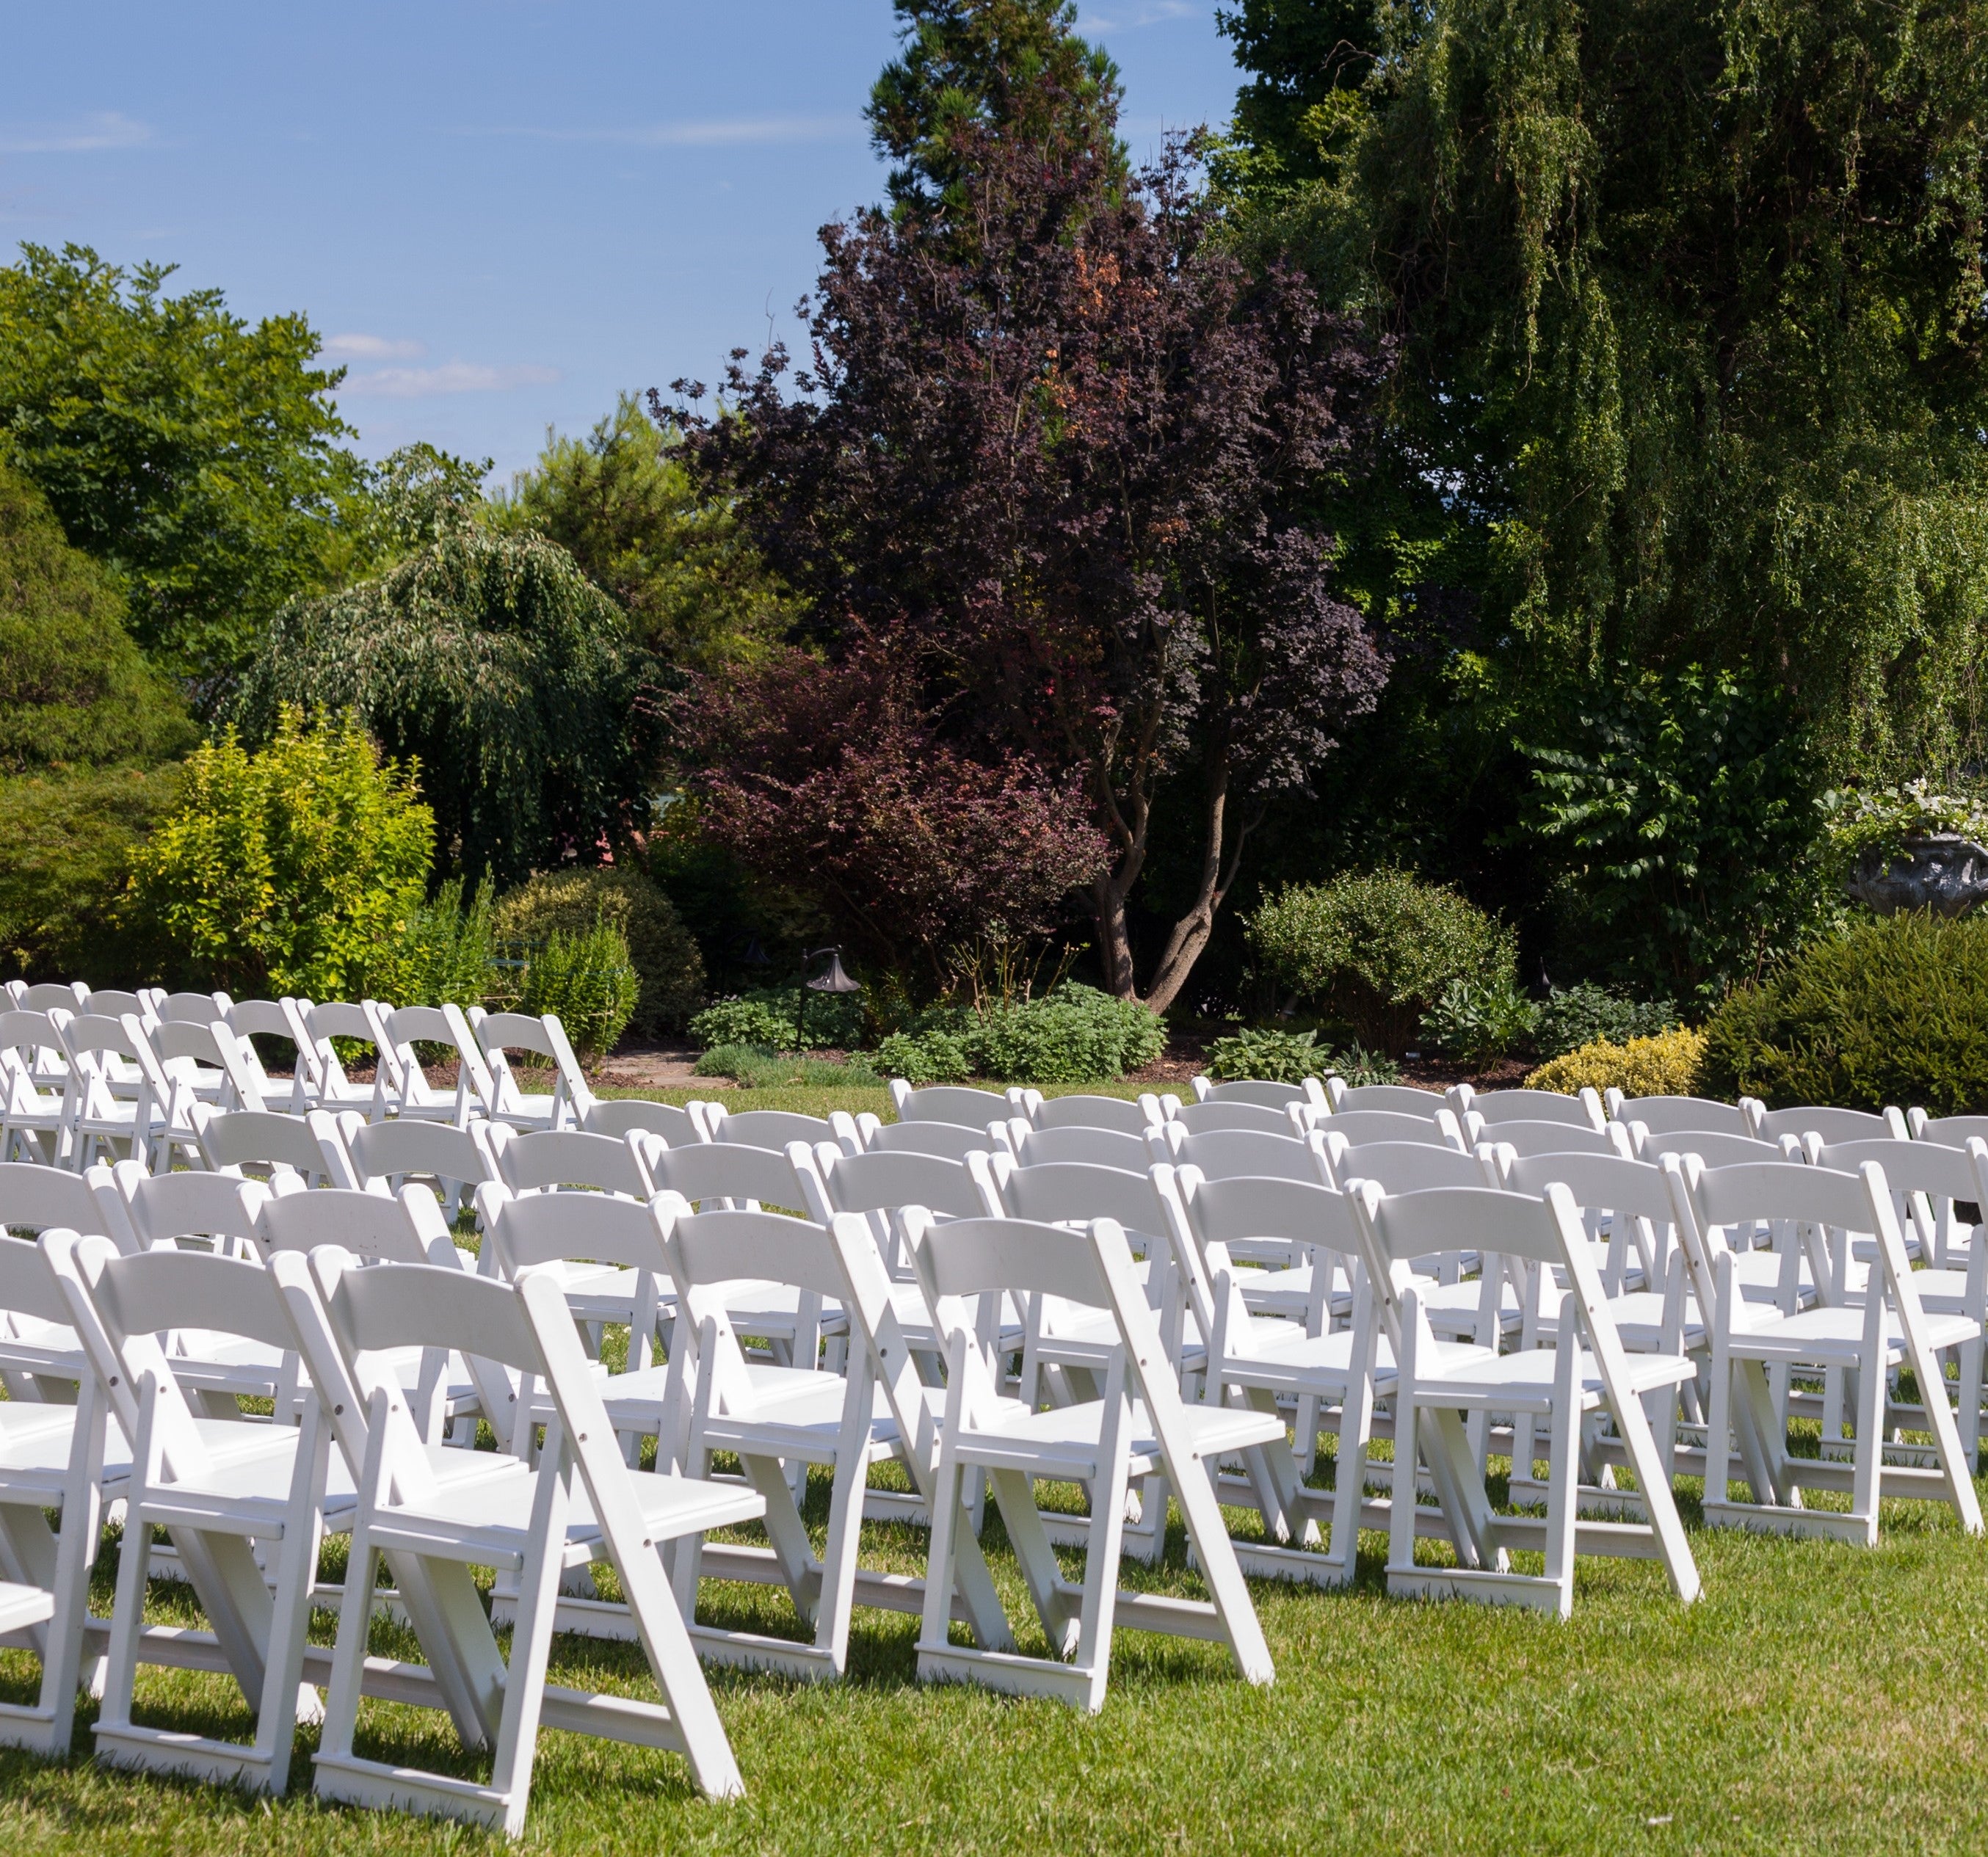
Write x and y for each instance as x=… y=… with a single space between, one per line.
x=1816 y=1697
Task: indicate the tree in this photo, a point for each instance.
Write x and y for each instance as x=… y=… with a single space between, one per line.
x=1061 y=457
x=198 y=458
x=832 y=778
x=1693 y=328
x=74 y=689
x=966 y=68
x=621 y=503
x=494 y=661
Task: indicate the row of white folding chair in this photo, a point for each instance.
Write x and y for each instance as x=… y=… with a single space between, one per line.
x=90 y=1111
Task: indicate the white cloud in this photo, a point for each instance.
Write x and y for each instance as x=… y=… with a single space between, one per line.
x=723 y=132
x=451 y=377
x=370 y=348
x=100 y=129
x=1154 y=12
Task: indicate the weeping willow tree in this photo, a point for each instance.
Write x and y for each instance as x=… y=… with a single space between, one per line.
x=495 y=662
x=1690 y=300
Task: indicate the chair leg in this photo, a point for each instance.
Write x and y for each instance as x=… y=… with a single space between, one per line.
x=1562 y=1476
x=532 y=1637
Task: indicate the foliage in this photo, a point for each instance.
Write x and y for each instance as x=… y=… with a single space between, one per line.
x=286 y=871
x=621 y=503
x=1479 y=1021
x=829 y=777
x=74 y=686
x=1882 y=819
x=756 y=1067
x=1012 y=68
x=923 y=1057
x=1589 y=1013
x=666 y=960
x=65 y=859
x=1667 y=1065
x=758 y=1021
x=1059 y=439
x=1683 y=807
x=495 y=662
x=586 y=981
x=1378 y=948
x=443 y=953
x=1070 y=1035
x=196 y=457
x=1356 y=1066
x=1267 y=1055
x=1896 y=1011
x=1690 y=299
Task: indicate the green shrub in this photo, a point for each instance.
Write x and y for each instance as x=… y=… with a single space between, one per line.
x=1377 y=949
x=923 y=1057
x=1480 y=1021
x=587 y=981
x=1894 y=1012
x=667 y=965
x=738 y=1062
x=289 y=870
x=443 y=954
x=754 y=1067
x=1074 y=1034
x=1267 y=1056
x=1668 y=1065
x=744 y=1021
x=65 y=860
x=1356 y=1067
x=1588 y=1014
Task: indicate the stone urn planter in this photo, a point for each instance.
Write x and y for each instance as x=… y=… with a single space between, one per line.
x=1940 y=871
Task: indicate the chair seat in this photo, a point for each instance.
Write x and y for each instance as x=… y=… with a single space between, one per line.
x=1286 y=1292
x=1452 y=1308
x=1834 y=1336
x=1294 y=1361
x=1062 y=1442
x=1523 y=1381
x=488 y=1521
x=1638 y=1316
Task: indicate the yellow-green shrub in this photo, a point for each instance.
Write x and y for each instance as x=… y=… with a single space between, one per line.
x=1665 y=1065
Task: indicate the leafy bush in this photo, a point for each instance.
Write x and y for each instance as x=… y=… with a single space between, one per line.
x=1073 y=1035
x=1881 y=819
x=287 y=871
x=923 y=1057
x=1268 y=1056
x=667 y=965
x=1378 y=948
x=1589 y=1013
x=738 y=1061
x=65 y=860
x=1894 y=1012
x=1480 y=1021
x=443 y=954
x=1667 y=1065
x=587 y=981
x=1355 y=1067
x=754 y=1067
x=749 y=1020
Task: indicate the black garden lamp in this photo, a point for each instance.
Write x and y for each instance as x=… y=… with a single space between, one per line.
x=834 y=978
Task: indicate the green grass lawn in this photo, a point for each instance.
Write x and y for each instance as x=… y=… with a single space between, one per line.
x=1816 y=1697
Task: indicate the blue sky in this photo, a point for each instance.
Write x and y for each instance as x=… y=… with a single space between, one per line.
x=497 y=211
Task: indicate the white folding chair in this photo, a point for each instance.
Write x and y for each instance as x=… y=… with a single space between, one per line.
x=1673 y=1115
x=1232 y=1153
x=1293 y=1120
x=405 y=1089
x=1084 y=1112
x=250 y=1019
x=535 y=1524
x=1398 y=1098
x=1585 y=1375
x=195 y=1008
x=1137 y=1429
x=321 y=1072
x=205 y=1057
x=1361 y=1125
x=33 y=1094
x=1828 y=1125
x=775 y=1128
x=149 y=1122
x=623 y=1116
x=1890 y=1330
x=1035 y=1147
x=1583 y=1111
x=1311 y=1092
x=385 y=1155
x=972 y=1109
x=311 y=1148
x=1551 y=1137
x=499 y=1034
x=955 y=1140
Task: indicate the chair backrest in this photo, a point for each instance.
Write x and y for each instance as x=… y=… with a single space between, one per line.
x=1597 y=1182
x=882 y=1182
x=1404 y=1228
x=419 y=1306
x=775 y=1128
x=1311 y=1092
x=1198 y=1118
x=1931 y=1167
x=30 y=1029
x=1673 y=1115
x=954 y=1139
x=1949 y=1131
x=1402 y=1099
x=1069 y=1190
x=1404 y=1167
x=497 y=1034
x=972 y=1109
x=1832 y=1124
x=1250 y=1154
x=1501 y=1105
x=1556 y=1138
x=1714 y=1148
x=1243 y=1211
x=28 y=1286
x=1093 y=1146
x=275 y=1018
x=1358 y=1126
x=624 y=1115
x=50 y=995
x=963 y=1258
x=166 y=1207
x=37 y=1199
x=709 y=1248
x=540 y=1228
x=390 y=1151
x=549 y=1158
x=1089 y=1112
x=261 y=1138
x=198 y=1008
x=407 y=1229
x=404 y=1026
x=1746 y=1191
x=211 y=1044
x=112 y=1002
x=715 y=1171
x=93 y=1032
